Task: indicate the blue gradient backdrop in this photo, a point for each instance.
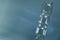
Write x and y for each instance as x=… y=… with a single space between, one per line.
x=19 y=19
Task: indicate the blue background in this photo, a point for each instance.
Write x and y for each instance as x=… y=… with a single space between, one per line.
x=19 y=19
